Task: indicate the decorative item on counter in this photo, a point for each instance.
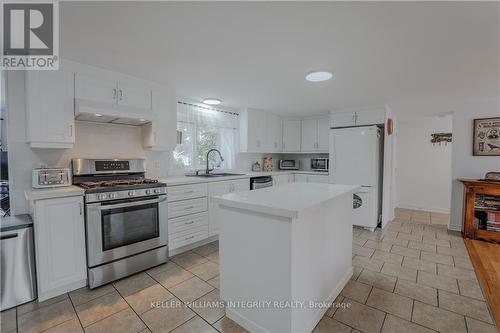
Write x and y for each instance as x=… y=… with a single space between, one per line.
x=441 y=137
x=486 y=137
x=256 y=167
x=268 y=164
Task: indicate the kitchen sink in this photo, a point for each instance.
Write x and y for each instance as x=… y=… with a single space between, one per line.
x=221 y=174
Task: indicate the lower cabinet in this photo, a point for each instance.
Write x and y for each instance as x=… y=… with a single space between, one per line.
x=305 y=178
x=281 y=179
x=220 y=188
x=61 y=262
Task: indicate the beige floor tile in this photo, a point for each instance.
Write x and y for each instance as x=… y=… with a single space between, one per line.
x=362 y=251
x=372 y=235
x=213 y=256
x=421 y=265
x=378 y=245
x=404 y=251
x=195 y=325
x=359 y=316
x=188 y=259
x=141 y=301
x=438 y=281
x=412 y=236
x=215 y=282
x=8 y=320
x=359 y=241
x=394 y=324
x=100 y=308
x=133 y=284
x=146 y=330
x=329 y=325
x=165 y=319
x=370 y=263
x=422 y=246
x=226 y=325
x=32 y=306
x=84 y=295
x=388 y=233
x=464 y=305
x=206 y=249
x=417 y=291
x=191 y=289
x=70 y=326
x=335 y=306
x=463 y=262
x=475 y=326
x=398 y=212
x=46 y=317
x=356 y=271
x=422 y=232
x=377 y=280
x=449 y=251
x=170 y=274
x=125 y=321
x=437 y=258
x=470 y=289
x=438 y=319
x=209 y=307
x=388 y=257
x=395 y=241
x=436 y=241
x=457 y=272
x=356 y=291
x=206 y=271
x=400 y=229
x=398 y=271
x=391 y=303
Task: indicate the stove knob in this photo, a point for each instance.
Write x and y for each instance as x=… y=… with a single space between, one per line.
x=113 y=195
x=157 y=191
x=102 y=196
x=131 y=193
x=148 y=192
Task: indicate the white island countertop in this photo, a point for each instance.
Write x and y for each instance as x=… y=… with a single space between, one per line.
x=285 y=200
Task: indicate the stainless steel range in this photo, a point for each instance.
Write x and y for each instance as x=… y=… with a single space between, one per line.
x=125 y=218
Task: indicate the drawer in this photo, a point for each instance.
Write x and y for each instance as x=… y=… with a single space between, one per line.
x=186 y=207
x=184 y=192
x=187 y=222
x=187 y=237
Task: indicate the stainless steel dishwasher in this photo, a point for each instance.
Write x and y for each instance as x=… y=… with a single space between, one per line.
x=17 y=261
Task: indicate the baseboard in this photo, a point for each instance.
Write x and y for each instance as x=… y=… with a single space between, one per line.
x=45 y=295
x=425 y=209
x=246 y=323
x=455 y=227
x=189 y=247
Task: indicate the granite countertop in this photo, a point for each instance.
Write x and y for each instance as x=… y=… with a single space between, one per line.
x=286 y=200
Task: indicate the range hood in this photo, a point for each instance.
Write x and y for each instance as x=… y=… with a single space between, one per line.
x=112 y=114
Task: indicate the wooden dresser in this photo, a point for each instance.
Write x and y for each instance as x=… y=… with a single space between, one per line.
x=480 y=209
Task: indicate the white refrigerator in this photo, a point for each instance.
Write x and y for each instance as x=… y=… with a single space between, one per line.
x=356 y=159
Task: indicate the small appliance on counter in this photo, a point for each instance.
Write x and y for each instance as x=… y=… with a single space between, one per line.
x=289 y=165
x=50 y=177
x=256 y=167
x=492 y=176
x=319 y=164
x=17 y=259
x=267 y=164
x=260 y=182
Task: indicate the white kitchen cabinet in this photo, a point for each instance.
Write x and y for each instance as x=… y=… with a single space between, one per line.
x=300 y=178
x=315 y=135
x=323 y=134
x=220 y=188
x=161 y=133
x=317 y=178
x=281 y=179
x=50 y=115
x=291 y=135
x=253 y=131
x=274 y=132
x=105 y=89
x=357 y=118
x=60 y=245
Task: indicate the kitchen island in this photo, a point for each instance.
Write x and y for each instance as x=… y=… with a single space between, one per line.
x=285 y=254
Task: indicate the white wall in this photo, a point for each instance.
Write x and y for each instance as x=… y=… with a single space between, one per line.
x=423 y=173
x=92 y=140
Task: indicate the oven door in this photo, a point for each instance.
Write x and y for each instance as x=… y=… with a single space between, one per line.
x=121 y=228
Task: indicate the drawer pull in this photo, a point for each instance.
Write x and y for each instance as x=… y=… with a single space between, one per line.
x=187 y=192
x=188 y=207
x=190 y=222
x=190 y=237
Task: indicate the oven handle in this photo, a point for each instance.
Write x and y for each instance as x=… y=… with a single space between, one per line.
x=129 y=204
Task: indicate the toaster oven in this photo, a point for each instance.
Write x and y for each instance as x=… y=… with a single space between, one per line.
x=289 y=165
x=51 y=177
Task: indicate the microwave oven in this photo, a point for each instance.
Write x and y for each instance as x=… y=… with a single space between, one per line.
x=289 y=165
x=319 y=164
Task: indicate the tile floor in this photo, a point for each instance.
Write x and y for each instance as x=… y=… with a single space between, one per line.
x=412 y=276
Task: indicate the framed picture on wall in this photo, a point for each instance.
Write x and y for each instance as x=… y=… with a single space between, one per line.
x=486 y=137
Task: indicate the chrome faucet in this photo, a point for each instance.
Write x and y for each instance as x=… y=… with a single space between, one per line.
x=207 y=170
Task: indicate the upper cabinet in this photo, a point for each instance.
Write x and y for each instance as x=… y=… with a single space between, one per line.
x=50 y=119
x=357 y=118
x=114 y=92
x=260 y=131
x=291 y=135
x=161 y=133
x=274 y=132
x=315 y=135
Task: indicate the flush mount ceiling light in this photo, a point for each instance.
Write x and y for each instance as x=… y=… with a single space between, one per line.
x=98 y=115
x=319 y=76
x=212 y=101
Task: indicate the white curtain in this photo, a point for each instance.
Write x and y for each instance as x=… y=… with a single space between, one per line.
x=204 y=128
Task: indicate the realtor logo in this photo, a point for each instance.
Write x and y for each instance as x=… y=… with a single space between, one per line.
x=30 y=35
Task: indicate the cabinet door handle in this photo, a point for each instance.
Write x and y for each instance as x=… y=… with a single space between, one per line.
x=190 y=222
x=121 y=95
x=188 y=207
x=81 y=208
x=190 y=237
x=187 y=192
x=70 y=131
x=114 y=94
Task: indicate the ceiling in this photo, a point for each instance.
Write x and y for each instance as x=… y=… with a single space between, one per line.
x=257 y=54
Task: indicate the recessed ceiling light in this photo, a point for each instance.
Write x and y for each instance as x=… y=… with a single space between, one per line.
x=142 y=120
x=212 y=101
x=318 y=76
x=98 y=115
